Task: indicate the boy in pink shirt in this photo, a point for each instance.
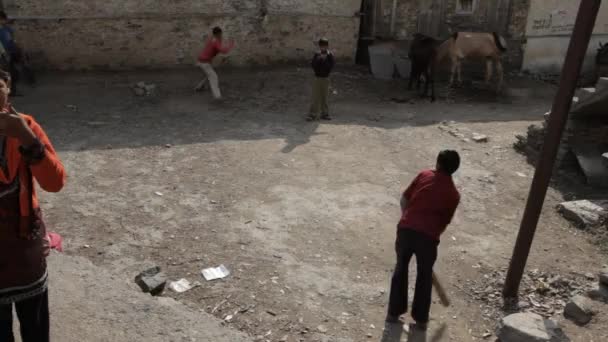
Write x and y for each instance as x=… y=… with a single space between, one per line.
x=213 y=47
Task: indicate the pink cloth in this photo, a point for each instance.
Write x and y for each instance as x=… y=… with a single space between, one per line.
x=55 y=241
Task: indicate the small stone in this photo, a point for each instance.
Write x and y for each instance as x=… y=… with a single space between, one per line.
x=531 y=327
x=151 y=281
x=141 y=84
x=599 y=293
x=370 y=335
x=284 y=338
x=589 y=276
x=604 y=277
x=322 y=329
x=480 y=138
x=139 y=91
x=578 y=310
x=150 y=89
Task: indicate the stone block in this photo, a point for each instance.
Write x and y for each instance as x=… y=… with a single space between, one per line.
x=579 y=310
x=152 y=281
x=530 y=327
x=583 y=213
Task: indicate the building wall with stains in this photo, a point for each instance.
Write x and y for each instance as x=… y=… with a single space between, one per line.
x=440 y=18
x=121 y=34
x=548 y=30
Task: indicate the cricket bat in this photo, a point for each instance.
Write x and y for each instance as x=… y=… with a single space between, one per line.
x=443 y=296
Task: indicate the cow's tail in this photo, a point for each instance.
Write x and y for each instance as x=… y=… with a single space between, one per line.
x=500 y=42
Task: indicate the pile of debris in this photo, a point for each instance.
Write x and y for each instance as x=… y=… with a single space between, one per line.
x=585 y=136
x=542 y=293
x=543 y=297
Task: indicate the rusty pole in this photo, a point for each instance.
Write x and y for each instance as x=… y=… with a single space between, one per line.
x=579 y=41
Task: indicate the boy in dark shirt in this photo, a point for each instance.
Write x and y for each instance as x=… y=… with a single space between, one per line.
x=428 y=206
x=322 y=63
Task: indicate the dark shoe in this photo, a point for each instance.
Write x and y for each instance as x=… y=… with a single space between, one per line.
x=326 y=117
x=420 y=326
x=392 y=332
x=392 y=319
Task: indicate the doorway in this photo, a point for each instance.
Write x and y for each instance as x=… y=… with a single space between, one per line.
x=367 y=30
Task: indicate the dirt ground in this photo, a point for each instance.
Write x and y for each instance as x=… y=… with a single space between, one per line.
x=303 y=214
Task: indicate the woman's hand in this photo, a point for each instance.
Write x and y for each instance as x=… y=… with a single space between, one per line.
x=14 y=125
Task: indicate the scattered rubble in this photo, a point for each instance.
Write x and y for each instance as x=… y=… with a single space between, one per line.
x=152 y=281
x=584 y=213
x=579 y=310
x=447 y=127
x=584 y=137
x=144 y=89
x=541 y=293
x=462 y=133
x=530 y=327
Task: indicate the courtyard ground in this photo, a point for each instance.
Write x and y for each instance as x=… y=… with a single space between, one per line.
x=303 y=214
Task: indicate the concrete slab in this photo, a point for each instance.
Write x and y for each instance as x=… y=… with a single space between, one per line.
x=591 y=162
x=590 y=103
x=602 y=84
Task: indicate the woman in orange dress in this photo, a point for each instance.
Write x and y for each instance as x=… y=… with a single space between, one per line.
x=26 y=154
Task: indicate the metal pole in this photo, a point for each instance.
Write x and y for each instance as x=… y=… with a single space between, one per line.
x=579 y=41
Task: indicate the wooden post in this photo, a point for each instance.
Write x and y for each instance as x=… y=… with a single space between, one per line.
x=579 y=41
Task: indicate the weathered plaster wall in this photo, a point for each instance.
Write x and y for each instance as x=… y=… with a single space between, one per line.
x=485 y=18
x=114 y=34
x=548 y=33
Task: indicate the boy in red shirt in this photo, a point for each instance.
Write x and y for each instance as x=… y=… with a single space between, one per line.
x=428 y=206
x=213 y=47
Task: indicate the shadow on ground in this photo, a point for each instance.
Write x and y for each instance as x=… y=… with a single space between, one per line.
x=100 y=111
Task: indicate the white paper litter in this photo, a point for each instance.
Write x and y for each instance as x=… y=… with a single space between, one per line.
x=215 y=273
x=181 y=286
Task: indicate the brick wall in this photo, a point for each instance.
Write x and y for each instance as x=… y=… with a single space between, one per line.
x=117 y=34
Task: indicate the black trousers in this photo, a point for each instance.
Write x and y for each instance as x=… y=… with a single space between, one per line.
x=411 y=243
x=33 y=314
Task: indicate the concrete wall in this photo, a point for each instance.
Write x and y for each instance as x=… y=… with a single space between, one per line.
x=549 y=26
x=115 y=34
